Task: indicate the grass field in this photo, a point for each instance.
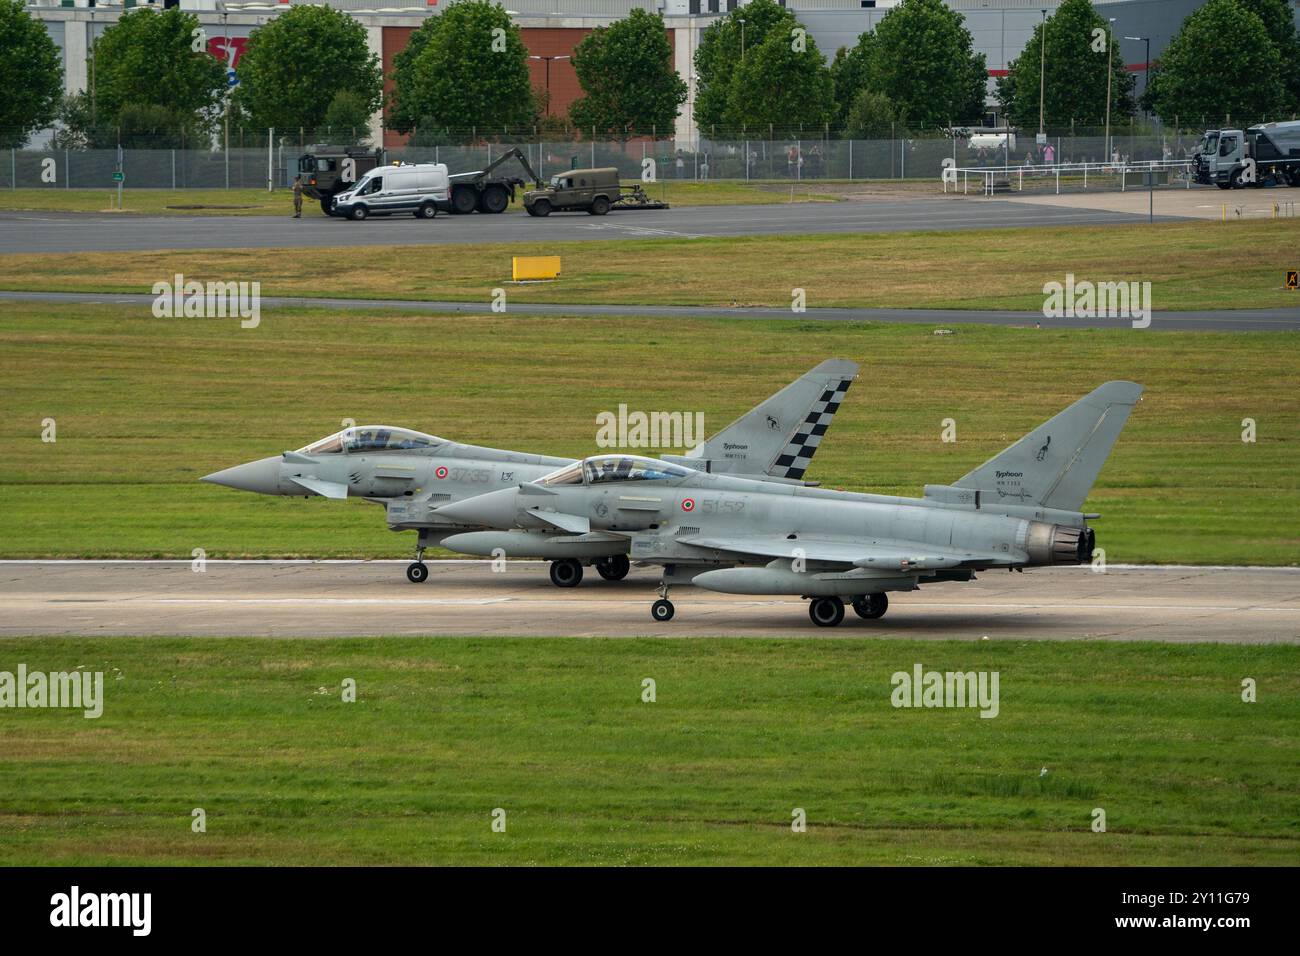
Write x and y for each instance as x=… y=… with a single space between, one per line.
x=1193 y=265
x=259 y=202
x=145 y=406
x=554 y=732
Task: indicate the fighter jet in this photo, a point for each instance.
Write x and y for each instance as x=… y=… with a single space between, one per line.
x=727 y=533
x=413 y=474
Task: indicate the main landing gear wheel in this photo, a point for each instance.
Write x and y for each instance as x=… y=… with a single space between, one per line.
x=613 y=568
x=417 y=572
x=662 y=610
x=871 y=606
x=566 y=573
x=826 y=611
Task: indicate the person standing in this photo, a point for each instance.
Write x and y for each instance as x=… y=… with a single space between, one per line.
x=1049 y=154
x=297 y=196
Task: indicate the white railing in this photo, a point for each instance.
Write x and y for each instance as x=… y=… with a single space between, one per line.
x=993 y=177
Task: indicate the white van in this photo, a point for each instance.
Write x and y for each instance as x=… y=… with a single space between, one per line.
x=420 y=189
x=1000 y=140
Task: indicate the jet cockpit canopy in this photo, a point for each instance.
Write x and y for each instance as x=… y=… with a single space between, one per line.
x=605 y=468
x=371 y=438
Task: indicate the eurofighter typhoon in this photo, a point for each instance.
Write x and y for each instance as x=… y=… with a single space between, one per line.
x=728 y=533
x=413 y=474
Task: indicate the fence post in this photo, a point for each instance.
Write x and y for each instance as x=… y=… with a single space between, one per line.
x=173 y=169
x=67 y=170
x=902 y=158
x=13 y=168
x=850 y=160
x=270 y=157
x=746 y=160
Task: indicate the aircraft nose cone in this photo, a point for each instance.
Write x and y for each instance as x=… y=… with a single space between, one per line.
x=262 y=476
x=496 y=509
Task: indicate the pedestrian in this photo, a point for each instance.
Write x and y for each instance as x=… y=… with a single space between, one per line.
x=1049 y=154
x=297 y=196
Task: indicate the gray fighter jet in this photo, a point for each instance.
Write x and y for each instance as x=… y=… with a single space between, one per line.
x=727 y=533
x=413 y=474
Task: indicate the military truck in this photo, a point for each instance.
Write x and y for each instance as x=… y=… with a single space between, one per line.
x=1267 y=154
x=329 y=170
x=487 y=192
x=593 y=191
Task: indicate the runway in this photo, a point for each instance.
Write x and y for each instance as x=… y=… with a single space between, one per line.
x=355 y=598
x=1221 y=320
x=44 y=232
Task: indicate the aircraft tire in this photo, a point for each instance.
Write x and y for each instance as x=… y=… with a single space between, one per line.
x=566 y=573
x=417 y=572
x=613 y=568
x=826 y=611
x=662 y=610
x=871 y=606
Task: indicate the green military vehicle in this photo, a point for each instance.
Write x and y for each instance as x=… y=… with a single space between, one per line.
x=329 y=170
x=593 y=191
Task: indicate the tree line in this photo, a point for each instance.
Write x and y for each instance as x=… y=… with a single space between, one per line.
x=758 y=70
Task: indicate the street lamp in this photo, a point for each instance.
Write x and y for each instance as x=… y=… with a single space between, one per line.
x=548 y=60
x=1042 y=73
x=742 y=39
x=1146 y=76
x=1109 y=70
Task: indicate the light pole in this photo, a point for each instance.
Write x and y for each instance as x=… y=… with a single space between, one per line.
x=548 y=60
x=742 y=39
x=1109 y=71
x=1146 y=76
x=225 y=51
x=92 y=69
x=1042 y=73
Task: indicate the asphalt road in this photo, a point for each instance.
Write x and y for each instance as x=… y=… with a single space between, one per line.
x=91 y=232
x=322 y=599
x=1228 y=320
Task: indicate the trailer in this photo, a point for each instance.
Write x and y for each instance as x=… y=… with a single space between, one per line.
x=1263 y=155
x=486 y=192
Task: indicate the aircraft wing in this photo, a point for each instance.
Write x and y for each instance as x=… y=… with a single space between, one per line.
x=881 y=555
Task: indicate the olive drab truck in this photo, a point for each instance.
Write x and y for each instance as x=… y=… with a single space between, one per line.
x=593 y=191
x=329 y=170
x=1263 y=155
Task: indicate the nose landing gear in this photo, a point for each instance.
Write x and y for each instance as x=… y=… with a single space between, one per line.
x=417 y=572
x=662 y=610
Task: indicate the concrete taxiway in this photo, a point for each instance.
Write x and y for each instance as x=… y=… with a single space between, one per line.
x=40 y=232
x=355 y=598
x=1213 y=320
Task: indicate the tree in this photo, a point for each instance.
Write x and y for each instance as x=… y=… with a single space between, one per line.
x=924 y=61
x=31 y=74
x=469 y=69
x=873 y=116
x=348 y=119
x=723 y=45
x=849 y=71
x=1221 y=61
x=296 y=64
x=148 y=59
x=627 y=76
x=1074 y=89
x=784 y=82
x=1277 y=20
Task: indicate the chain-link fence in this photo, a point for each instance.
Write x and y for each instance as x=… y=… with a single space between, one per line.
x=793 y=160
